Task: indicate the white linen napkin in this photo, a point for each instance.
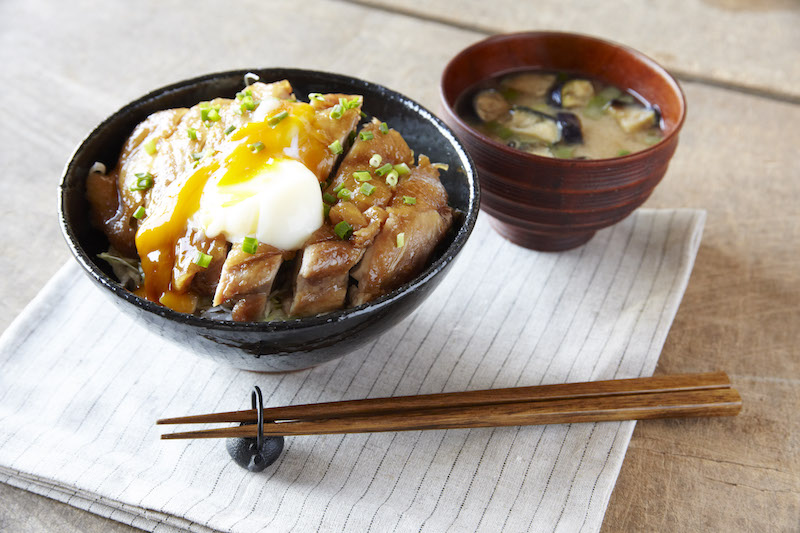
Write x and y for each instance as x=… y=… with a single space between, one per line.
x=81 y=386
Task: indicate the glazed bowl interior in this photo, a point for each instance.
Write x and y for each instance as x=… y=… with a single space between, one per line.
x=296 y=343
x=553 y=204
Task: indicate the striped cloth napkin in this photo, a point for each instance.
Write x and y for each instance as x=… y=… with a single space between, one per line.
x=81 y=386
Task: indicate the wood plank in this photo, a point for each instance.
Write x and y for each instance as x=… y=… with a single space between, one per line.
x=740 y=313
x=749 y=44
x=715 y=475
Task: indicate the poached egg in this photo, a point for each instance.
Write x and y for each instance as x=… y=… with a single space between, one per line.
x=263 y=182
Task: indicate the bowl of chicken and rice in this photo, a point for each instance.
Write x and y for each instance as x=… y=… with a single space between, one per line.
x=287 y=343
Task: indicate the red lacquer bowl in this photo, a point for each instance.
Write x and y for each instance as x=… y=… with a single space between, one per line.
x=557 y=204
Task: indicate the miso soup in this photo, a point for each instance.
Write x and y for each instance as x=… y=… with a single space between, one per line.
x=556 y=114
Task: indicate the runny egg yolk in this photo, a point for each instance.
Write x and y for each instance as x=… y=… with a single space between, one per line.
x=263 y=182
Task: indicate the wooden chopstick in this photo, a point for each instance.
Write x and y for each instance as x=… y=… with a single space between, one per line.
x=562 y=391
x=710 y=402
x=641 y=398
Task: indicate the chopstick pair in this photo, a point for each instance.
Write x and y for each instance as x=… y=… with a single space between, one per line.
x=671 y=396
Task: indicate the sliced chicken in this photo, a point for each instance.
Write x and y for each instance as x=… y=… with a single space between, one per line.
x=322 y=278
x=322 y=275
x=250 y=308
x=418 y=219
x=389 y=147
x=244 y=274
x=186 y=268
x=328 y=130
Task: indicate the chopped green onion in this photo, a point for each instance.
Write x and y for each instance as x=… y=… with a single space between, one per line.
x=337 y=111
x=509 y=93
x=349 y=104
x=623 y=152
x=367 y=189
x=329 y=198
x=150 y=147
x=202 y=260
x=375 y=160
x=212 y=114
x=366 y=135
x=275 y=119
x=338 y=187
x=250 y=245
x=248 y=104
x=362 y=175
x=599 y=102
x=652 y=138
x=409 y=200
x=343 y=230
x=563 y=152
x=384 y=169
x=316 y=96
x=384 y=128
x=336 y=147
x=402 y=169
x=192 y=133
x=401 y=240
x=229 y=130
x=144 y=180
x=391 y=178
x=609 y=93
x=241 y=94
x=363 y=115
x=326 y=210
x=197 y=155
x=351 y=136
x=256 y=147
x=139 y=213
x=204 y=105
x=344 y=193
x=498 y=129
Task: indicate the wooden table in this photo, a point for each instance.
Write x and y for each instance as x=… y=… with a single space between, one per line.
x=65 y=67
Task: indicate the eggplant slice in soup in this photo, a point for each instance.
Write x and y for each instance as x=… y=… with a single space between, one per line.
x=560 y=115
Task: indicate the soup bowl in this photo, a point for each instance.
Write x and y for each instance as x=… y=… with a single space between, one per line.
x=554 y=204
x=284 y=345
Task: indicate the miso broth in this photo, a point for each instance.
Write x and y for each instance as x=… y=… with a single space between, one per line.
x=555 y=114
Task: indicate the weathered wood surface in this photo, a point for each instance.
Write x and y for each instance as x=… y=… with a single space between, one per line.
x=65 y=67
x=748 y=45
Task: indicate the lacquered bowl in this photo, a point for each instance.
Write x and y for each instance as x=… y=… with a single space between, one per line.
x=557 y=204
x=293 y=344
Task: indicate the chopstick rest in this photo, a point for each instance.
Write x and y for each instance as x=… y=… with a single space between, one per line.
x=258 y=441
x=255 y=454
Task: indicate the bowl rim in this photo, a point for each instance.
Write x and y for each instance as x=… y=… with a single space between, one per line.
x=531 y=35
x=431 y=271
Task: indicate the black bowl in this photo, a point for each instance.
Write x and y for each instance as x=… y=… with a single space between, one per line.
x=293 y=344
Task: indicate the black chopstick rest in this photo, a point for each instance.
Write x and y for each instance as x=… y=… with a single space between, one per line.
x=255 y=454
